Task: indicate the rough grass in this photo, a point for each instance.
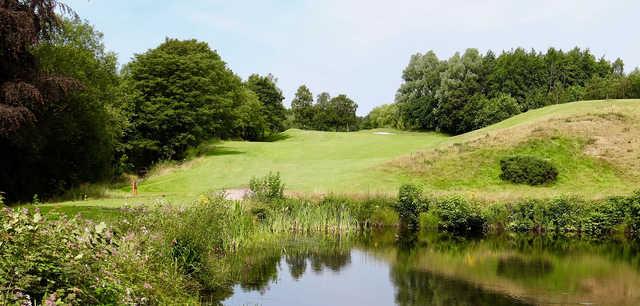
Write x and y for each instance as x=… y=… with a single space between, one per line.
x=594 y=143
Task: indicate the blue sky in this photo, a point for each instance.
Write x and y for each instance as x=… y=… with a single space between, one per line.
x=360 y=47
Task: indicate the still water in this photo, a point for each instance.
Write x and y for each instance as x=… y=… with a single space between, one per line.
x=383 y=268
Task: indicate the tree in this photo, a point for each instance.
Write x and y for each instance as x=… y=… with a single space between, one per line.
x=344 y=111
x=383 y=116
x=416 y=97
x=445 y=95
x=634 y=80
x=459 y=82
x=176 y=96
x=482 y=111
x=324 y=114
x=618 y=68
x=271 y=97
x=302 y=107
x=23 y=87
x=73 y=140
x=249 y=117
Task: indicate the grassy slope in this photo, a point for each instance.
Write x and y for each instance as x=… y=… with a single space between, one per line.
x=593 y=143
x=361 y=162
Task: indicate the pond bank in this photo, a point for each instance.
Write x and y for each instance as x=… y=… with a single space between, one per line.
x=161 y=254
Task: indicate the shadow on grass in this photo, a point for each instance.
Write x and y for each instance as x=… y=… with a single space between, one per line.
x=276 y=137
x=219 y=150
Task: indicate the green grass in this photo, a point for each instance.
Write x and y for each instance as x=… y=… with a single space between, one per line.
x=476 y=173
x=360 y=163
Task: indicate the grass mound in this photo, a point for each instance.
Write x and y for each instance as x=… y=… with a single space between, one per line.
x=593 y=144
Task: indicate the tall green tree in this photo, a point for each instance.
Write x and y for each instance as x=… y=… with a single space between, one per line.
x=324 y=114
x=416 y=97
x=383 y=116
x=73 y=139
x=460 y=82
x=271 y=97
x=344 y=111
x=302 y=108
x=250 y=121
x=176 y=96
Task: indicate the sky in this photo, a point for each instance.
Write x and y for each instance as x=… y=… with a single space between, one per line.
x=360 y=47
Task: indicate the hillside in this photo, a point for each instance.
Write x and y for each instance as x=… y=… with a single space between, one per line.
x=595 y=145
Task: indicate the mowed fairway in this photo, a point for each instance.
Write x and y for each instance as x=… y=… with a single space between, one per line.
x=308 y=161
x=595 y=145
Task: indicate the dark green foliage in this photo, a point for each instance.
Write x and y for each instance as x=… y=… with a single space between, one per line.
x=187 y=255
x=267 y=188
x=335 y=114
x=302 y=108
x=526 y=216
x=384 y=116
x=271 y=98
x=74 y=139
x=633 y=215
x=522 y=169
x=562 y=214
x=481 y=111
x=176 y=96
x=600 y=219
x=408 y=205
x=459 y=216
x=470 y=90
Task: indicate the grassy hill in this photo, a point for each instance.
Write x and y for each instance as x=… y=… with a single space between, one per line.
x=595 y=144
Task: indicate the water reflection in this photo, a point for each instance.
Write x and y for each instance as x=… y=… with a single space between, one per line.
x=390 y=268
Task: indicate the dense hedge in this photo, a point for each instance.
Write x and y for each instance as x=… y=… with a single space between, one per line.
x=563 y=216
x=530 y=170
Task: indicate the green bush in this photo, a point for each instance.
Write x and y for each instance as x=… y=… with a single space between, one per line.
x=527 y=216
x=267 y=188
x=408 y=205
x=563 y=215
x=530 y=170
x=71 y=261
x=633 y=215
x=458 y=216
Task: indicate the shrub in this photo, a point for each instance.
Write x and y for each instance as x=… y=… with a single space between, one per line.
x=562 y=215
x=407 y=207
x=70 y=261
x=456 y=215
x=527 y=170
x=267 y=188
x=527 y=216
x=633 y=215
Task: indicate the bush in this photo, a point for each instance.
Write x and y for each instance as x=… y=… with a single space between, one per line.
x=633 y=215
x=267 y=188
x=527 y=216
x=71 y=261
x=527 y=170
x=408 y=205
x=456 y=215
x=563 y=215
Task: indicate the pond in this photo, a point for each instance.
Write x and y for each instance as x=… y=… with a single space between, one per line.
x=384 y=268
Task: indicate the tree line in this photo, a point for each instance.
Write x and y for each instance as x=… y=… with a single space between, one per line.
x=68 y=115
x=472 y=90
x=326 y=114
